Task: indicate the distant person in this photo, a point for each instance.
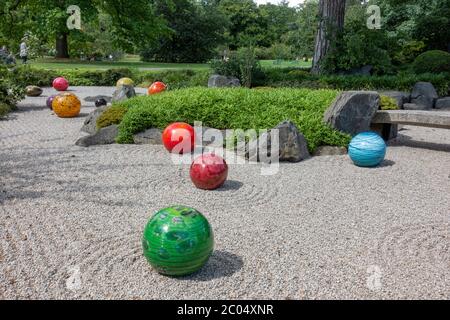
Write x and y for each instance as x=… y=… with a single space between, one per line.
x=24 y=52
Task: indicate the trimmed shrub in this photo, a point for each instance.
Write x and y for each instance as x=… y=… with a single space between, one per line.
x=434 y=61
x=112 y=115
x=175 y=79
x=234 y=109
x=4 y=109
x=388 y=103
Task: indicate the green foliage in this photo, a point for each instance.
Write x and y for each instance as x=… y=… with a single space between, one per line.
x=408 y=52
x=286 y=77
x=11 y=90
x=234 y=109
x=434 y=61
x=242 y=65
x=112 y=115
x=4 y=109
x=388 y=103
x=196 y=29
x=359 y=46
x=175 y=79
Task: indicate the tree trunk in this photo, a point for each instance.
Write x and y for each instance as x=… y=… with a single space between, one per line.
x=331 y=14
x=62 y=47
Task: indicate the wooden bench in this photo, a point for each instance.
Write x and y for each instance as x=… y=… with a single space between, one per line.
x=385 y=122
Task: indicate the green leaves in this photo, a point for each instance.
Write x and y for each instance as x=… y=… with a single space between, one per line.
x=234 y=109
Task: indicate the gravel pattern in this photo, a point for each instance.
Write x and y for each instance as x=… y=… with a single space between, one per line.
x=71 y=219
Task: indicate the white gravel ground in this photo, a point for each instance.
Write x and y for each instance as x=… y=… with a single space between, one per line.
x=71 y=220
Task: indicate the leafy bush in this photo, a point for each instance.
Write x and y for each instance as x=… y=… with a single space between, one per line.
x=11 y=91
x=234 y=109
x=293 y=78
x=175 y=79
x=4 y=109
x=388 y=103
x=242 y=64
x=434 y=61
x=112 y=115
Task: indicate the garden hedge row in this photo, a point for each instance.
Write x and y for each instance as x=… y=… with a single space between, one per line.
x=273 y=77
x=234 y=109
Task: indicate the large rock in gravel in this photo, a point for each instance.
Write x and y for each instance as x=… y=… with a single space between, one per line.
x=104 y=136
x=352 y=111
x=123 y=93
x=90 y=124
x=150 y=136
x=33 y=91
x=218 y=81
x=424 y=95
x=292 y=145
x=443 y=103
x=95 y=98
x=400 y=97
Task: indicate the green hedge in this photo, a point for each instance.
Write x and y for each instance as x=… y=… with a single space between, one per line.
x=234 y=109
x=296 y=78
x=271 y=77
x=432 y=61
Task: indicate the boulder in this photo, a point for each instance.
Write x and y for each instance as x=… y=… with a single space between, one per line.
x=104 y=136
x=33 y=91
x=400 y=97
x=330 y=151
x=292 y=145
x=424 y=94
x=352 y=111
x=123 y=93
x=443 y=103
x=90 y=124
x=95 y=98
x=150 y=136
x=218 y=81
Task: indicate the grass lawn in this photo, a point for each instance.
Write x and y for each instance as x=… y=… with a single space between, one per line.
x=134 y=62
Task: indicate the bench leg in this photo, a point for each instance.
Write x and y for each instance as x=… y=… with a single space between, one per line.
x=386 y=130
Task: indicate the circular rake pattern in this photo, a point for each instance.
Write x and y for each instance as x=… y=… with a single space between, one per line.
x=425 y=244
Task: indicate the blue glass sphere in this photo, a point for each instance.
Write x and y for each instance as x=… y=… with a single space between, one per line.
x=367 y=149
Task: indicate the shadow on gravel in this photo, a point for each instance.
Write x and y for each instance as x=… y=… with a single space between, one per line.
x=222 y=264
x=386 y=163
x=406 y=141
x=231 y=185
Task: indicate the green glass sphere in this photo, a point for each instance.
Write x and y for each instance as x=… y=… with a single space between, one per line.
x=178 y=241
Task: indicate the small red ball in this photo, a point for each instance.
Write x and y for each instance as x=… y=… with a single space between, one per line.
x=179 y=138
x=60 y=84
x=209 y=172
x=156 y=88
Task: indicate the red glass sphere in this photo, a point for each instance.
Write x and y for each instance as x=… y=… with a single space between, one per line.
x=179 y=138
x=60 y=84
x=209 y=172
x=157 y=87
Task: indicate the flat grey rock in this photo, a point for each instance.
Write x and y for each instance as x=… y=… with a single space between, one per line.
x=352 y=111
x=292 y=145
x=424 y=95
x=90 y=124
x=443 y=103
x=104 y=136
x=95 y=98
x=123 y=93
x=218 y=81
x=150 y=136
x=414 y=106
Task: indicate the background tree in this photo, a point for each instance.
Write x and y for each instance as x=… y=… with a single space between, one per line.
x=196 y=29
x=331 y=23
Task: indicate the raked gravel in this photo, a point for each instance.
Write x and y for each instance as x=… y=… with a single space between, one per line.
x=71 y=219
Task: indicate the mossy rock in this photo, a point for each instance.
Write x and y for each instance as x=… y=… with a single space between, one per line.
x=110 y=116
